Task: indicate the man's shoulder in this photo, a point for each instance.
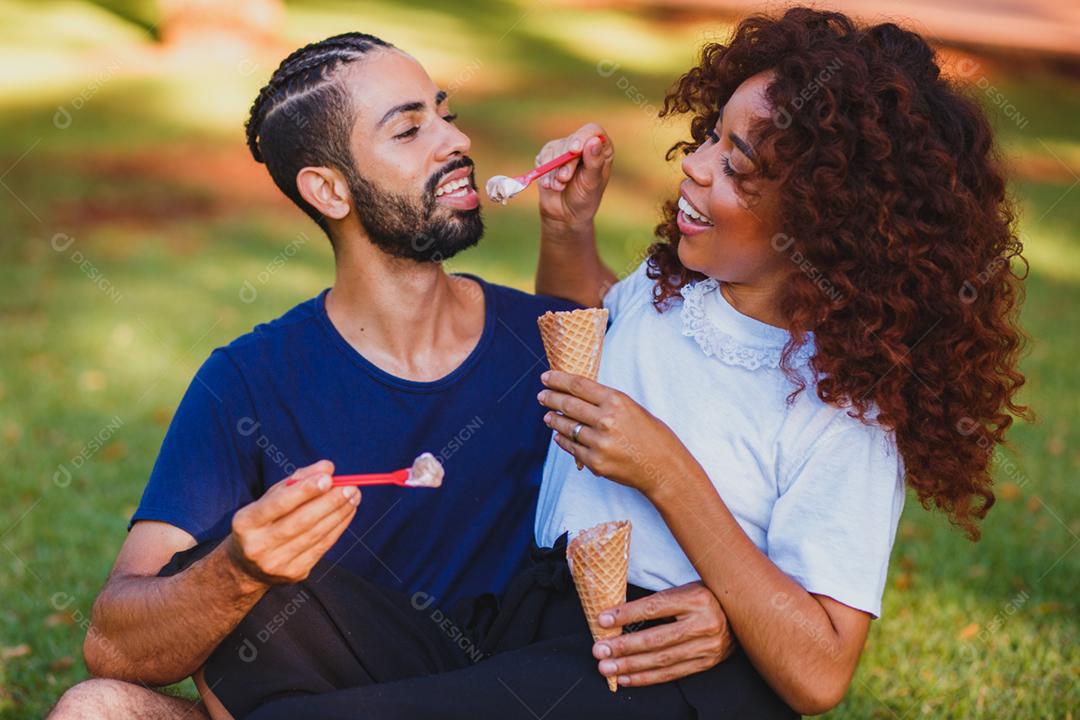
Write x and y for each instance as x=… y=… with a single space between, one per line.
x=267 y=339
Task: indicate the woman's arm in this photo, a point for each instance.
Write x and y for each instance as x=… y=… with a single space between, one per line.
x=806 y=646
x=570 y=266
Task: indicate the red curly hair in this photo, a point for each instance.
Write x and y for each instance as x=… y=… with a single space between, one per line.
x=889 y=182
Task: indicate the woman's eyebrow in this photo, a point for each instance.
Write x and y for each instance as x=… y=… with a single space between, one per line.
x=736 y=140
x=743 y=146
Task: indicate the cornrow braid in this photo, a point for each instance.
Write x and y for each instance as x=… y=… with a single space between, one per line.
x=302 y=116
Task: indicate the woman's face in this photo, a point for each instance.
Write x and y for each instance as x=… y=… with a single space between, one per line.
x=733 y=241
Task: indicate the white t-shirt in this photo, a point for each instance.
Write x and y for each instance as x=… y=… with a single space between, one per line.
x=816 y=490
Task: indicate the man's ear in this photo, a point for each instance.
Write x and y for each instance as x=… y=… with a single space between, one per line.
x=325 y=190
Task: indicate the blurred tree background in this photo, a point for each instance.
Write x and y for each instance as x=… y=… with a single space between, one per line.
x=138 y=234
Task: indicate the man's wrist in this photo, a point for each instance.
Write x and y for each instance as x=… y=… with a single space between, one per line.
x=236 y=575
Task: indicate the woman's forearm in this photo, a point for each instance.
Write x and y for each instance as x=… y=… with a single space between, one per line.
x=570 y=266
x=785 y=631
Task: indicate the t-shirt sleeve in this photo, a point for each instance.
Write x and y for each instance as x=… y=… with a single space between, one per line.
x=208 y=466
x=628 y=292
x=833 y=526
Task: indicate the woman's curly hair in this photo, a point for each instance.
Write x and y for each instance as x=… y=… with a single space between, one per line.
x=892 y=201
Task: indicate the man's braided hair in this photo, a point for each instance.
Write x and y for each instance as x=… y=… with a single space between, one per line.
x=303 y=116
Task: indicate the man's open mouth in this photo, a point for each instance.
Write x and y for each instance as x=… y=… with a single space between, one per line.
x=456 y=190
x=455 y=187
x=455 y=182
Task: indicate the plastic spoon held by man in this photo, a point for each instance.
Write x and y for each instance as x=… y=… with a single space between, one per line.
x=426 y=471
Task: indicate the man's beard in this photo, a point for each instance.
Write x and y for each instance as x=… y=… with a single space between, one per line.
x=416 y=229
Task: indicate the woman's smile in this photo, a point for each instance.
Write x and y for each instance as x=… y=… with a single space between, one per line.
x=691 y=220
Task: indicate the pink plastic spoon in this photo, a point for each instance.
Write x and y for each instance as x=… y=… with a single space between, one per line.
x=426 y=471
x=501 y=188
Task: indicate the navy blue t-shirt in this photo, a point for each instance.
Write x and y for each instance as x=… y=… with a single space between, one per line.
x=294 y=391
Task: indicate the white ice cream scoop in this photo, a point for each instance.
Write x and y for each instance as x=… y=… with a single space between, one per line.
x=426 y=471
x=501 y=188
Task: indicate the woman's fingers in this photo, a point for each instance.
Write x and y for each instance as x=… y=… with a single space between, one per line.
x=551 y=149
x=565 y=426
x=698 y=615
x=556 y=179
x=582 y=454
x=668 y=603
x=577 y=385
x=576 y=408
x=644 y=641
x=698 y=649
x=665 y=674
x=560 y=177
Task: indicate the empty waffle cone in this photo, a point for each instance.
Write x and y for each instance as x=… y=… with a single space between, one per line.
x=599 y=560
x=573 y=340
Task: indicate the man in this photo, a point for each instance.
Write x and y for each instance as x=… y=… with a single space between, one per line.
x=398 y=357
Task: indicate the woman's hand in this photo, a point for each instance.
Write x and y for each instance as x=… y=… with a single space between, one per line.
x=570 y=195
x=697 y=640
x=618 y=439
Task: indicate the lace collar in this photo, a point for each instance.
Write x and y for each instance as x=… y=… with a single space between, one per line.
x=724 y=333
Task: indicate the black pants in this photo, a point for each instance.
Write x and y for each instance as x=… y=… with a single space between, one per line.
x=336 y=646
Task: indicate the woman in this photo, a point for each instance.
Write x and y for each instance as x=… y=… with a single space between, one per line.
x=831 y=309
x=829 y=312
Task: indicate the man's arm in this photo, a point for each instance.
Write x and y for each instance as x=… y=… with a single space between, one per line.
x=159 y=630
x=570 y=266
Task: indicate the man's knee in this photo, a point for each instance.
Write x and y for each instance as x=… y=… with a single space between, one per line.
x=104 y=698
x=88 y=699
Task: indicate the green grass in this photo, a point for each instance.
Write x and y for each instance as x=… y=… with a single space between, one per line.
x=969 y=630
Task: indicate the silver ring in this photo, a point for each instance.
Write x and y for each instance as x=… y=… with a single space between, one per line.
x=576 y=431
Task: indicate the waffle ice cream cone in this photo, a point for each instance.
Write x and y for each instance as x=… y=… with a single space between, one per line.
x=573 y=341
x=599 y=559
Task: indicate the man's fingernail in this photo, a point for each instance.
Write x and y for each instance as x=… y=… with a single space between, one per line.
x=605 y=650
x=355 y=498
x=575 y=146
x=324 y=482
x=624 y=679
x=348 y=491
x=545 y=376
x=607 y=619
x=608 y=667
x=541 y=395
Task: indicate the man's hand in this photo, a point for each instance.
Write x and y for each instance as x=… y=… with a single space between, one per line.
x=277 y=539
x=158 y=630
x=697 y=640
x=570 y=195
